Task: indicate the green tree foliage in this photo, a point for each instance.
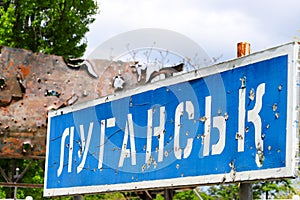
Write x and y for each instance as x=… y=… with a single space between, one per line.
x=230 y=191
x=34 y=174
x=53 y=27
x=275 y=189
x=190 y=195
x=267 y=189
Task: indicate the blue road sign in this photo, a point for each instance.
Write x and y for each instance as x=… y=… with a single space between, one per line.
x=236 y=121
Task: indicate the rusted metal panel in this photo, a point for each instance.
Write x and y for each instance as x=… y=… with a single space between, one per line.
x=31 y=84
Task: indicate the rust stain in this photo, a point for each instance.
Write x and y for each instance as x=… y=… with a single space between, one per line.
x=25 y=70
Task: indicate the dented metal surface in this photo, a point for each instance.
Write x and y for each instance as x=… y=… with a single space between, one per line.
x=31 y=84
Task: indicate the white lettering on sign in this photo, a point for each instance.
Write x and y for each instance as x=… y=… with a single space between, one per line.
x=85 y=146
x=242 y=113
x=62 y=152
x=189 y=108
x=111 y=122
x=219 y=122
x=183 y=108
x=158 y=131
x=253 y=117
x=125 y=153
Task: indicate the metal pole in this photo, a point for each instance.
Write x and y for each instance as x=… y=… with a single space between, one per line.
x=168 y=193
x=15 y=190
x=243 y=49
x=245 y=191
x=197 y=194
x=78 y=197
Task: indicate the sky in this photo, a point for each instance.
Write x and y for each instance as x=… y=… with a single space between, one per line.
x=216 y=25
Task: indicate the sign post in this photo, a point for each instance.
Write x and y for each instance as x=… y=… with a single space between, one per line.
x=245 y=189
x=232 y=122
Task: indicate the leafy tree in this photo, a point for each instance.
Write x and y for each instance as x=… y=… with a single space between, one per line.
x=230 y=191
x=278 y=188
x=190 y=195
x=53 y=27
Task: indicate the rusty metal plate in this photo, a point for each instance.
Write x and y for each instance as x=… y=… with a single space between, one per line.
x=31 y=84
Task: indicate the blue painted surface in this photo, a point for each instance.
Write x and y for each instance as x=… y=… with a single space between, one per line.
x=225 y=99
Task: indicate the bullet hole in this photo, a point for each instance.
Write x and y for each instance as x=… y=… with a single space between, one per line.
x=243 y=82
x=2 y=83
x=154 y=164
x=280 y=87
x=274 y=107
x=247 y=129
x=143 y=167
x=233 y=170
x=252 y=95
x=118 y=82
x=177 y=166
x=269 y=148
x=203 y=119
x=52 y=93
x=231 y=165
x=219 y=111
x=238 y=136
x=277 y=115
x=166 y=153
x=26 y=147
x=84 y=93
x=226 y=116
x=21 y=83
x=259 y=157
x=223 y=179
